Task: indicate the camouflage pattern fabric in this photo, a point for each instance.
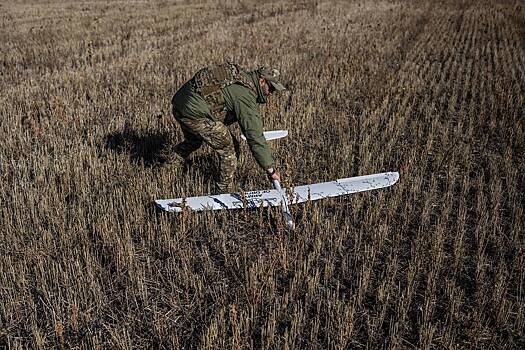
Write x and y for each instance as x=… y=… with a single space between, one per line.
x=218 y=137
x=273 y=76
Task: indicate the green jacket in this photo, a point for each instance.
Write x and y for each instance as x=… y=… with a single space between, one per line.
x=241 y=107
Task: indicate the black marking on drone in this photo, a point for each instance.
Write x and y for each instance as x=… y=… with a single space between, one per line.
x=221 y=203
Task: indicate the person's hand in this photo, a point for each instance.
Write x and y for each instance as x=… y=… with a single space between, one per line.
x=273 y=174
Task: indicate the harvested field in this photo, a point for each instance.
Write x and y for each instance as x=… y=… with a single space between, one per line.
x=432 y=89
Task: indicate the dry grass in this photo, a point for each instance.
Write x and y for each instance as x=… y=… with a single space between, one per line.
x=433 y=89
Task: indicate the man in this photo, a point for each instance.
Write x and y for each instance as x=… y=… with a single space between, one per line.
x=218 y=96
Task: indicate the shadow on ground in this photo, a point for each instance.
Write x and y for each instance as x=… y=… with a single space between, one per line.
x=156 y=149
x=152 y=148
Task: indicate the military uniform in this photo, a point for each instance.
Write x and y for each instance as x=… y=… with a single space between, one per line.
x=215 y=97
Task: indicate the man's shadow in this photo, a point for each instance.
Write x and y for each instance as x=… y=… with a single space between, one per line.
x=149 y=147
x=156 y=149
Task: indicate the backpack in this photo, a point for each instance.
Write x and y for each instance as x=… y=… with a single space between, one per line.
x=210 y=81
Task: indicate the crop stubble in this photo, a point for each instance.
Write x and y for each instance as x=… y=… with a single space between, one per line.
x=433 y=89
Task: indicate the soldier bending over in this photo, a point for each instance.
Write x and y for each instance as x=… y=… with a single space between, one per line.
x=218 y=96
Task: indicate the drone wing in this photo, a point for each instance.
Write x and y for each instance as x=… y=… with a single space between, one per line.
x=272 y=135
x=274 y=197
x=253 y=199
x=342 y=187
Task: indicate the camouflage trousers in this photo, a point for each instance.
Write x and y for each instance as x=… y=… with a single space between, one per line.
x=218 y=137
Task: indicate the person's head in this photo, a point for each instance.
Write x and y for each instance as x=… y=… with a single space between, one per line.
x=269 y=80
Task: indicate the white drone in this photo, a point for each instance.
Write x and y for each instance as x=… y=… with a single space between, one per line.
x=279 y=196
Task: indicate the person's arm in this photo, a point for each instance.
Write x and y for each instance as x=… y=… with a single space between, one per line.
x=249 y=119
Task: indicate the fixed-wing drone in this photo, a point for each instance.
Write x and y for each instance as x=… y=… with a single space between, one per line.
x=279 y=196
